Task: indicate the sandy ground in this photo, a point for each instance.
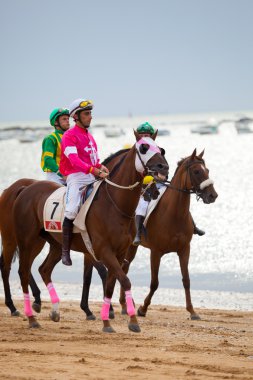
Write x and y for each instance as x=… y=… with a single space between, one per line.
x=170 y=346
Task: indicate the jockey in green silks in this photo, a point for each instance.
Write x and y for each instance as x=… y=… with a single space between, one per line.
x=146 y=130
x=51 y=146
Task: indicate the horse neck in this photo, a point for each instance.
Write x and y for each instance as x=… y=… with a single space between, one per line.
x=127 y=175
x=178 y=199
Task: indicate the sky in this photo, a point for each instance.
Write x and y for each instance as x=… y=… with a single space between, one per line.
x=137 y=57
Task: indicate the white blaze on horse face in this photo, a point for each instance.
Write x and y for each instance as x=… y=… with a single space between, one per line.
x=206 y=183
x=153 y=149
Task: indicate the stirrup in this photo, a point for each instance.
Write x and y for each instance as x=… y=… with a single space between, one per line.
x=137 y=241
x=66 y=260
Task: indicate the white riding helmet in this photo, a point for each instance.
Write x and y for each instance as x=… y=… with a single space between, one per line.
x=80 y=104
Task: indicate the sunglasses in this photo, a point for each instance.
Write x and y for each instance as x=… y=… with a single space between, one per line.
x=86 y=103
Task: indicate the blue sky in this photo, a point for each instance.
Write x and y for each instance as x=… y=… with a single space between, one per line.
x=137 y=56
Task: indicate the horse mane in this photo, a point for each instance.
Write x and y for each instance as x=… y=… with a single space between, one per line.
x=112 y=156
x=179 y=163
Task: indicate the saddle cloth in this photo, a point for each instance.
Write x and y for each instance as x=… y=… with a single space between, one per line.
x=53 y=214
x=153 y=203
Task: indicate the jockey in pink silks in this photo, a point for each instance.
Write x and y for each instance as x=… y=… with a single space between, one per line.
x=79 y=164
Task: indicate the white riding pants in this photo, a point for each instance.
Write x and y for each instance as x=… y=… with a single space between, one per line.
x=54 y=177
x=142 y=207
x=75 y=181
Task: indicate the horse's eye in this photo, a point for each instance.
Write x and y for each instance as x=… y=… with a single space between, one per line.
x=144 y=148
x=196 y=171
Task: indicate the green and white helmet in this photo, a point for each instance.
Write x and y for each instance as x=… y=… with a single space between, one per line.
x=146 y=128
x=56 y=113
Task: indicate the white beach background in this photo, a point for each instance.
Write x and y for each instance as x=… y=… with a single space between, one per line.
x=221 y=262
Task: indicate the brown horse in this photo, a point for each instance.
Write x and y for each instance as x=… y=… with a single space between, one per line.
x=108 y=222
x=170 y=227
x=10 y=251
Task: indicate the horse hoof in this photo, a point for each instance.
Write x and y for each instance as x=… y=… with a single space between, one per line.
x=36 y=307
x=111 y=314
x=108 y=329
x=15 y=313
x=134 y=327
x=141 y=313
x=34 y=325
x=123 y=312
x=90 y=317
x=54 y=316
x=195 y=317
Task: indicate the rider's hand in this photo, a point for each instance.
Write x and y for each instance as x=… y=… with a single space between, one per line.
x=101 y=173
x=104 y=168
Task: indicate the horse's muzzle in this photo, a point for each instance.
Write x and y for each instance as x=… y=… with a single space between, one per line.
x=162 y=169
x=209 y=195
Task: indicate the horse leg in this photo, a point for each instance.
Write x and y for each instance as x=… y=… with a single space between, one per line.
x=46 y=270
x=36 y=294
x=28 y=250
x=9 y=247
x=102 y=271
x=184 y=260
x=87 y=275
x=155 y=260
x=115 y=272
x=125 y=267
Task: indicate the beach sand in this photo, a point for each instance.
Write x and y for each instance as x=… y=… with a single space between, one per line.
x=170 y=345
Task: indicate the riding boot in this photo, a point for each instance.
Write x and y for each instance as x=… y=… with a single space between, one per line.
x=67 y=231
x=139 y=219
x=196 y=230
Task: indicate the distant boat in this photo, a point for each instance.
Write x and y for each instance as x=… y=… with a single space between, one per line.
x=28 y=139
x=243 y=125
x=114 y=132
x=163 y=132
x=206 y=130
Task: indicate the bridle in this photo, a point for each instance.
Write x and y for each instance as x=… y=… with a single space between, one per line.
x=196 y=188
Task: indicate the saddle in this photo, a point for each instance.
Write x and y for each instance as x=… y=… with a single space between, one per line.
x=53 y=213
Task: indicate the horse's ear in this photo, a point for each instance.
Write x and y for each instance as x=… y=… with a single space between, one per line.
x=154 y=135
x=202 y=153
x=137 y=136
x=193 y=154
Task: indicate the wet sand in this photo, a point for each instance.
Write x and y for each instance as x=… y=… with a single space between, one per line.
x=170 y=345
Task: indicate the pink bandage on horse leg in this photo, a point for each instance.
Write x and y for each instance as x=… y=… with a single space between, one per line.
x=129 y=303
x=27 y=305
x=52 y=292
x=105 y=309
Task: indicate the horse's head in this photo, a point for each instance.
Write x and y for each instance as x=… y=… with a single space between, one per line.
x=150 y=158
x=197 y=178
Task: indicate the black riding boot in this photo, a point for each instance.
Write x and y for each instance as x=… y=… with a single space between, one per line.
x=196 y=230
x=139 y=219
x=67 y=230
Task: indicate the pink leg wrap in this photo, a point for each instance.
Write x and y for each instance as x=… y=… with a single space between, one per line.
x=129 y=303
x=105 y=309
x=52 y=293
x=27 y=305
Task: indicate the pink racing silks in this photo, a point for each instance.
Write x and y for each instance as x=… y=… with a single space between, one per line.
x=129 y=303
x=105 y=309
x=52 y=292
x=27 y=305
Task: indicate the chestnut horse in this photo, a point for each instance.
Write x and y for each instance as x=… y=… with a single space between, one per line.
x=108 y=222
x=170 y=227
x=10 y=251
